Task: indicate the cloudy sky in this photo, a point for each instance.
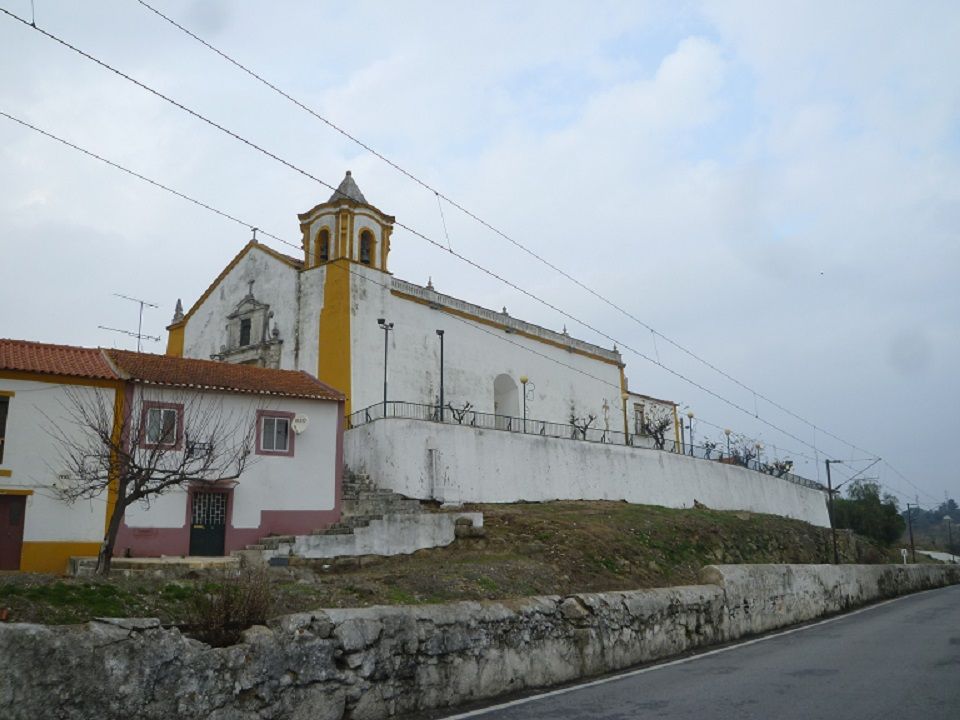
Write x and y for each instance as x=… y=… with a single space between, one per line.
x=772 y=186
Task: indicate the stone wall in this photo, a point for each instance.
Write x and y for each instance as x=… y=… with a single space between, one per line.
x=383 y=661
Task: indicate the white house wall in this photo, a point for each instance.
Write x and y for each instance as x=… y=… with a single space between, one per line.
x=32 y=458
x=458 y=464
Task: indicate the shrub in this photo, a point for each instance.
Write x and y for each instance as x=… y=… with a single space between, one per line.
x=221 y=610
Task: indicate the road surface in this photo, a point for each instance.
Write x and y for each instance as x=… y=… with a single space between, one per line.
x=898 y=660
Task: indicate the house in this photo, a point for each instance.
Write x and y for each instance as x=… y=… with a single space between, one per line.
x=263 y=449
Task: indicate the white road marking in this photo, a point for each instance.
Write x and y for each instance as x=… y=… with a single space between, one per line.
x=680 y=661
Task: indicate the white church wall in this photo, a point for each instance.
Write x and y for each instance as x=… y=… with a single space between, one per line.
x=311 y=303
x=275 y=283
x=475 y=354
x=458 y=464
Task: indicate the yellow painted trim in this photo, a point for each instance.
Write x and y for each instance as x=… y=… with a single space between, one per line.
x=7 y=393
x=501 y=326
x=17 y=491
x=676 y=430
x=57 y=379
x=175 y=340
x=351 y=237
x=113 y=489
x=343 y=226
x=334 y=350
x=385 y=231
x=8 y=473
x=52 y=557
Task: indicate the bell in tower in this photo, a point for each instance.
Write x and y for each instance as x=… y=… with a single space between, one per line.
x=346 y=227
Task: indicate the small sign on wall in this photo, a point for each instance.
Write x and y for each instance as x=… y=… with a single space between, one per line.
x=299 y=423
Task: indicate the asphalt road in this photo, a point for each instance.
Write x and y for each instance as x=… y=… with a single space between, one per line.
x=897 y=660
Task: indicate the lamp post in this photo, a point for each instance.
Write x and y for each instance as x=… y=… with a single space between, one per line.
x=386 y=327
x=727 y=432
x=690 y=423
x=440 y=335
x=626 y=423
x=949 y=521
x=523 y=381
x=759 y=447
x=833 y=529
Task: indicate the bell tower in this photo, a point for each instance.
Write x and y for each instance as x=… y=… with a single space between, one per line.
x=346 y=227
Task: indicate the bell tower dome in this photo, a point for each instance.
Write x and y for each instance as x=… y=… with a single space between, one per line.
x=346 y=227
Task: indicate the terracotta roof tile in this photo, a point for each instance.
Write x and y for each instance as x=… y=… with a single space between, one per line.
x=103 y=364
x=209 y=374
x=50 y=359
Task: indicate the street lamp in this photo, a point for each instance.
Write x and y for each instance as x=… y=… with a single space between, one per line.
x=949 y=521
x=386 y=327
x=626 y=422
x=440 y=335
x=759 y=447
x=523 y=381
x=690 y=423
x=727 y=433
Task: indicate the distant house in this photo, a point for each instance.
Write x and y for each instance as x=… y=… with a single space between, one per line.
x=290 y=482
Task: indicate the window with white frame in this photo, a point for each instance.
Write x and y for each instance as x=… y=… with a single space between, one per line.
x=274 y=434
x=161 y=425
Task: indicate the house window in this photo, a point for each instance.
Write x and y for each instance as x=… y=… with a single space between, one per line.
x=4 y=404
x=638 y=419
x=366 y=247
x=274 y=436
x=324 y=253
x=161 y=426
x=245 y=332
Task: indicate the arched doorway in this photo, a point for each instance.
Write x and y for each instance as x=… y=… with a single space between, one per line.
x=506 y=400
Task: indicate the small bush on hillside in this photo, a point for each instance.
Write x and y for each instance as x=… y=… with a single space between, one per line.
x=221 y=610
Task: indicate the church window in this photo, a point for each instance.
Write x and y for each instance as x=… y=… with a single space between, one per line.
x=245 y=332
x=323 y=251
x=366 y=247
x=273 y=433
x=638 y=419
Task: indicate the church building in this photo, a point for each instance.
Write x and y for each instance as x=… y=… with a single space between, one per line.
x=338 y=313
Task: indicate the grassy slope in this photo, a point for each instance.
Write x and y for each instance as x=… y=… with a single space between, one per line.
x=529 y=549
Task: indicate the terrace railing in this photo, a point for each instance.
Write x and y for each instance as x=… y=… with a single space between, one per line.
x=568 y=431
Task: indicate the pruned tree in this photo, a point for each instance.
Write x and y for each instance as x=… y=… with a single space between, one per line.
x=778 y=468
x=708 y=447
x=459 y=413
x=581 y=425
x=655 y=424
x=744 y=450
x=156 y=444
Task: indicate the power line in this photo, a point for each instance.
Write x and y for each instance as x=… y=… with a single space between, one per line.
x=259 y=78
x=438 y=245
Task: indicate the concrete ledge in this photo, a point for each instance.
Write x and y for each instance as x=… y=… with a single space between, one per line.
x=383 y=661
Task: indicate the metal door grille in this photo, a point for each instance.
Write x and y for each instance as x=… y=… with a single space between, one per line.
x=209 y=508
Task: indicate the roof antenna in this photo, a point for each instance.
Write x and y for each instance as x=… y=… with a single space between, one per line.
x=139 y=333
x=33 y=15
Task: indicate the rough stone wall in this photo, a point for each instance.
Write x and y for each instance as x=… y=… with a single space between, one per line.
x=383 y=661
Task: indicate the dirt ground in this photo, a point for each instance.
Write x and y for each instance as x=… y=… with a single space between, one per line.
x=528 y=549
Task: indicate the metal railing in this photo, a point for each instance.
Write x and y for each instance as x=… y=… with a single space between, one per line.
x=544 y=428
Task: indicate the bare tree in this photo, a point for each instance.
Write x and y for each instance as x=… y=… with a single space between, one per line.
x=655 y=424
x=159 y=442
x=581 y=425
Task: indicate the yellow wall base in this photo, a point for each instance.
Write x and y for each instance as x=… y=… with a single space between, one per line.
x=52 y=557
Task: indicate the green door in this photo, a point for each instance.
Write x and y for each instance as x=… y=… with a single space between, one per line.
x=209 y=527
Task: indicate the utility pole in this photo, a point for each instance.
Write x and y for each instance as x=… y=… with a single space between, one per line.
x=833 y=527
x=913 y=550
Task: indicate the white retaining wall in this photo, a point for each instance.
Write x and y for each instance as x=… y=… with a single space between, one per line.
x=456 y=464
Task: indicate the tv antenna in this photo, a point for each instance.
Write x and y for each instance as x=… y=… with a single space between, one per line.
x=139 y=333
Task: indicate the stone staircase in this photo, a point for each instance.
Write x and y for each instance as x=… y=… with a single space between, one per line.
x=373 y=521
